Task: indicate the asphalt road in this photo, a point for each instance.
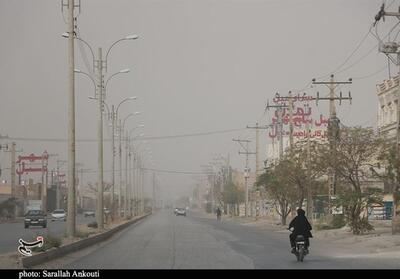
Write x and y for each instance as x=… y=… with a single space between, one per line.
x=11 y=232
x=166 y=241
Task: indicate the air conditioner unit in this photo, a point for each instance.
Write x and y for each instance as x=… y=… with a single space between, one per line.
x=389 y=47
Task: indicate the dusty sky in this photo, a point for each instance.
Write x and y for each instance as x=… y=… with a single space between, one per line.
x=198 y=66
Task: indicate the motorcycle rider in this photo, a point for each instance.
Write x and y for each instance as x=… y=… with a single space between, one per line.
x=301 y=227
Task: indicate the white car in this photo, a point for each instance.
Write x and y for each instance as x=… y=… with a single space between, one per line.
x=89 y=214
x=180 y=212
x=59 y=214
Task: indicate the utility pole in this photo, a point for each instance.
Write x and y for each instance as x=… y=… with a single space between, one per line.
x=290 y=120
x=43 y=192
x=58 y=183
x=71 y=222
x=154 y=191
x=388 y=49
x=333 y=127
x=138 y=204
x=13 y=152
x=100 y=186
x=141 y=189
x=5 y=147
x=126 y=208
x=130 y=176
x=134 y=172
x=290 y=99
x=280 y=125
x=257 y=128
x=120 y=169
x=309 y=188
x=246 y=170
x=58 y=187
x=13 y=144
x=113 y=161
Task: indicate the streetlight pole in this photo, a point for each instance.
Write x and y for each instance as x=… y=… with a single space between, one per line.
x=130 y=179
x=132 y=176
x=102 y=103
x=100 y=65
x=100 y=188
x=120 y=168
x=71 y=222
x=126 y=175
x=126 y=160
x=113 y=161
x=120 y=133
x=139 y=204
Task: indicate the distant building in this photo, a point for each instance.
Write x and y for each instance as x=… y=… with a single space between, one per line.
x=387 y=111
x=388 y=92
x=239 y=180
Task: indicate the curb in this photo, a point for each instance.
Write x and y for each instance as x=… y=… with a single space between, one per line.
x=12 y=221
x=75 y=246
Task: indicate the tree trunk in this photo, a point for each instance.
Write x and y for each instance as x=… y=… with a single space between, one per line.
x=283 y=220
x=395 y=215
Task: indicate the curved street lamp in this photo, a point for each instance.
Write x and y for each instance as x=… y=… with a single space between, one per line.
x=130 y=37
x=124 y=71
x=99 y=86
x=66 y=35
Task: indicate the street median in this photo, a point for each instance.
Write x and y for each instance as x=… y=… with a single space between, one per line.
x=61 y=251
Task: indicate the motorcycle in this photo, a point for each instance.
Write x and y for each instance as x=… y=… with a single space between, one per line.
x=300 y=248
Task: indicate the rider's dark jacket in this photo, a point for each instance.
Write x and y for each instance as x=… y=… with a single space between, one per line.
x=301 y=225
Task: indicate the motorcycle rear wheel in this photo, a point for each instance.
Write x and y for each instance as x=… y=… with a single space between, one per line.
x=301 y=254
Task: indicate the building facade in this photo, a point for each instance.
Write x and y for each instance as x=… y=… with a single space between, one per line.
x=388 y=95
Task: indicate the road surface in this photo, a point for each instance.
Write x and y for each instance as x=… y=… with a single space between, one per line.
x=166 y=241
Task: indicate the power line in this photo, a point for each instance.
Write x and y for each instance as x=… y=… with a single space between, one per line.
x=354 y=51
x=192 y=135
x=176 y=172
x=372 y=74
x=138 y=139
x=358 y=46
x=155 y=170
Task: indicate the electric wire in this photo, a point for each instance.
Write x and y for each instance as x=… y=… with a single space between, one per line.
x=372 y=74
x=138 y=139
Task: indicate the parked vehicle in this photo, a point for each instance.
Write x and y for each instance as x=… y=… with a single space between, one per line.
x=88 y=214
x=59 y=215
x=35 y=218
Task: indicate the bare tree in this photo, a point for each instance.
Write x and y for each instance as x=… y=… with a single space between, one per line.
x=353 y=160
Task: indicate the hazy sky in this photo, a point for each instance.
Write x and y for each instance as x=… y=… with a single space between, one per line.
x=199 y=66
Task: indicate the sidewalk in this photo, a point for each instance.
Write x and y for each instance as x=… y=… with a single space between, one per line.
x=379 y=241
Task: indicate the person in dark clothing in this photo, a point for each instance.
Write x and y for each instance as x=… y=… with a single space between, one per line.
x=300 y=226
x=219 y=213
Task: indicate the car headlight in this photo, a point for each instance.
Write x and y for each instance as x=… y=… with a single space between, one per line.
x=27 y=219
x=41 y=219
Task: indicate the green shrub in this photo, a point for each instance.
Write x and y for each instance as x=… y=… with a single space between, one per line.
x=338 y=221
x=81 y=234
x=49 y=241
x=92 y=225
